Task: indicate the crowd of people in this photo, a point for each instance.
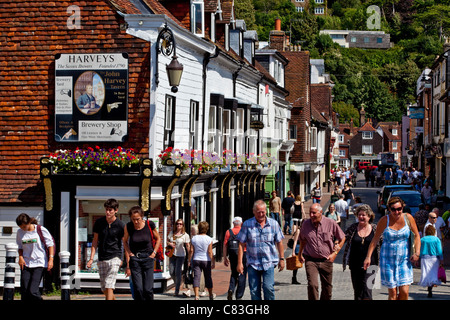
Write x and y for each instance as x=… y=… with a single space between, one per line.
x=253 y=249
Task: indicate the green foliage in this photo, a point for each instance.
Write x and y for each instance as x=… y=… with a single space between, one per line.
x=383 y=80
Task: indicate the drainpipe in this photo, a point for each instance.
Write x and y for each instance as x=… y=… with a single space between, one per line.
x=206 y=61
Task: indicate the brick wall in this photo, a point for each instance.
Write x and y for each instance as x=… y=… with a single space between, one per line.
x=31 y=34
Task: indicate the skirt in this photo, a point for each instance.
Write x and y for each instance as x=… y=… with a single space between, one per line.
x=430 y=267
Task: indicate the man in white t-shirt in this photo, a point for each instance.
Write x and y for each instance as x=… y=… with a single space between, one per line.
x=435 y=220
x=341 y=207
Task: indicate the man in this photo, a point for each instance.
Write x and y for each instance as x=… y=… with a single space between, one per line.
x=275 y=207
x=262 y=237
x=437 y=222
x=399 y=175
x=286 y=205
x=320 y=242
x=427 y=192
x=108 y=234
x=230 y=253
x=341 y=207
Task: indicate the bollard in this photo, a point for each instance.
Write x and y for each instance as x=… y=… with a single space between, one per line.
x=65 y=275
x=10 y=271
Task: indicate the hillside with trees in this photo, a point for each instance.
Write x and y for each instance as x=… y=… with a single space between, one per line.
x=383 y=80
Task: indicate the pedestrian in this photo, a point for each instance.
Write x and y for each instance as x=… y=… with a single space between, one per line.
x=399 y=175
x=202 y=259
x=316 y=193
x=230 y=253
x=263 y=238
x=335 y=194
x=421 y=216
x=342 y=210
x=395 y=254
x=275 y=207
x=138 y=245
x=295 y=249
x=431 y=258
x=32 y=241
x=299 y=213
x=348 y=193
x=288 y=210
x=437 y=222
x=332 y=214
x=367 y=176
x=108 y=234
x=358 y=237
x=320 y=241
x=180 y=243
x=387 y=176
x=427 y=192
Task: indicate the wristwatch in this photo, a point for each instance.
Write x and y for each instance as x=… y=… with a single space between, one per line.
x=282 y=259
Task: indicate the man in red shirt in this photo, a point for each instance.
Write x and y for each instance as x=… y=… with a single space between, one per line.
x=318 y=251
x=230 y=253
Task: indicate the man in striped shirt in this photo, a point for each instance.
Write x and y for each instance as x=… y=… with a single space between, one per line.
x=262 y=236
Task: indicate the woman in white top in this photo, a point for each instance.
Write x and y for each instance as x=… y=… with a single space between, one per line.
x=32 y=241
x=202 y=259
x=177 y=240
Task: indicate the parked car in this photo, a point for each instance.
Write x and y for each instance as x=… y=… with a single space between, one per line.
x=365 y=165
x=383 y=195
x=412 y=199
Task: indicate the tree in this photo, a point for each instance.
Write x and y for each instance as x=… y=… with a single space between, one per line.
x=244 y=10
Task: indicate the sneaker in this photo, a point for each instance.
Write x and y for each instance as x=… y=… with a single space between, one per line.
x=202 y=294
x=212 y=297
x=187 y=293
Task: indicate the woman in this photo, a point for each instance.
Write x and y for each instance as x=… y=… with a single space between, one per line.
x=295 y=250
x=358 y=238
x=33 y=257
x=348 y=193
x=137 y=242
x=431 y=258
x=332 y=214
x=335 y=194
x=395 y=262
x=275 y=207
x=316 y=193
x=178 y=239
x=299 y=213
x=202 y=259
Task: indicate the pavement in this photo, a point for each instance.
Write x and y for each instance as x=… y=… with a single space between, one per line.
x=285 y=290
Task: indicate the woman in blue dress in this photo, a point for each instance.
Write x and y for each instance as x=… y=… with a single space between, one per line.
x=395 y=255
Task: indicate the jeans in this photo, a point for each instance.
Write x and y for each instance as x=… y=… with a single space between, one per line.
x=267 y=283
x=29 y=283
x=276 y=216
x=142 y=277
x=175 y=268
x=237 y=280
x=316 y=200
x=287 y=222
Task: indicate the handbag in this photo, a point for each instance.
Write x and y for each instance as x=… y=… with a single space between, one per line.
x=292 y=263
x=290 y=243
x=412 y=237
x=159 y=253
x=169 y=251
x=441 y=274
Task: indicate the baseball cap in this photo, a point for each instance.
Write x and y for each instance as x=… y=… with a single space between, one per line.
x=237 y=219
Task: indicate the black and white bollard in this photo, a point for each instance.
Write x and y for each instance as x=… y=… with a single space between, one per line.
x=10 y=271
x=65 y=275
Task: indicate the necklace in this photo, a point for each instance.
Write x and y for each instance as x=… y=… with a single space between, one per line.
x=362 y=234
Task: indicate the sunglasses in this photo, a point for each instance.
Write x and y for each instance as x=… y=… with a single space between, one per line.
x=396 y=209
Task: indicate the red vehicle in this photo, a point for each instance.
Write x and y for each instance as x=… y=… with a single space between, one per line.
x=365 y=165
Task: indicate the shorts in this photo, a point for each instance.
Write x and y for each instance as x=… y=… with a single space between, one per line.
x=297 y=221
x=108 y=269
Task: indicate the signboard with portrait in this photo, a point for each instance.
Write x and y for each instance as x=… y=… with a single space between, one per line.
x=91 y=97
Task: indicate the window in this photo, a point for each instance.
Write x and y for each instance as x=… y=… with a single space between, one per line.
x=341 y=138
x=226 y=130
x=313 y=138
x=342 y=153
x=366 y=40
x=379 y=40
x=394 y=132
x=212 y=128
x=394 y=145
x=194 y=124
x=197 y=18
x=292 y=132
x=367 y=149
x=319 y=1
x=319 y=10
x=169 y=122
x=353 y=39
x=299 y=9
x=367 y=135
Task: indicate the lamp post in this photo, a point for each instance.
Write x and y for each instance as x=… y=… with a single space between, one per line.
x=166 y=45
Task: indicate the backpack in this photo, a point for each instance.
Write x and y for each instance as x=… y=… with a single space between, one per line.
x=232 y=244
x=41 y=236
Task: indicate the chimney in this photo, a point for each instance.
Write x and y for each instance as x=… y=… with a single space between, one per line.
x=351 y=126
x=362 y=116
x=277 y=38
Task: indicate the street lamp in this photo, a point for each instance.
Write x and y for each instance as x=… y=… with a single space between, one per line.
x=165 y=44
